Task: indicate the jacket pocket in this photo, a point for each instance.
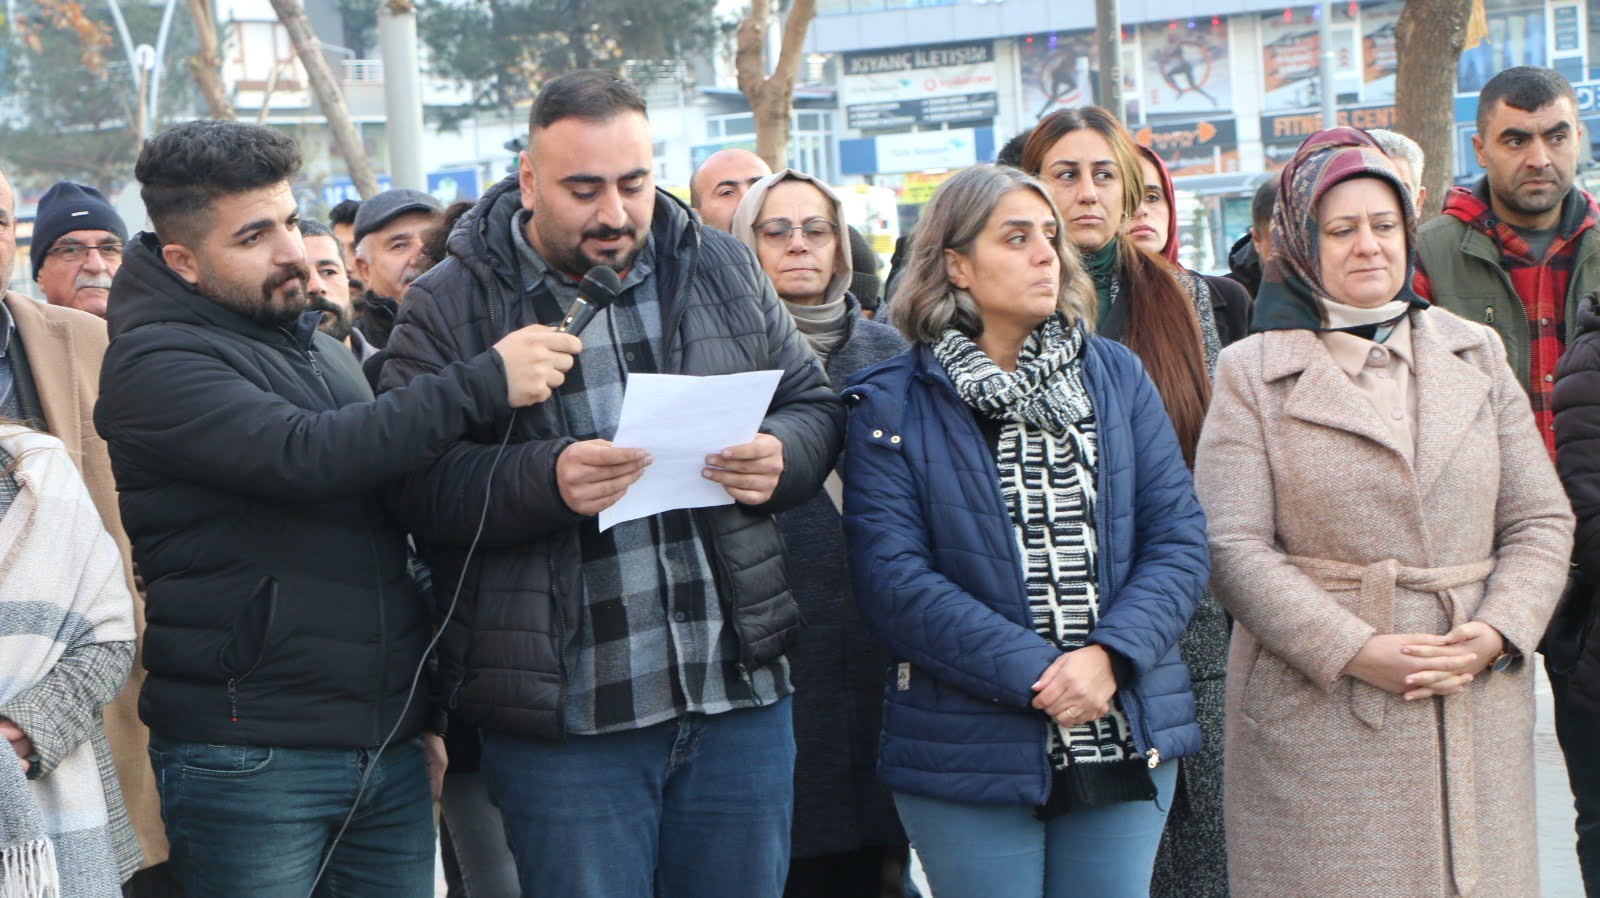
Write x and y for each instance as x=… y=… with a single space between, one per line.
x=247 y=641
x=1273 y=689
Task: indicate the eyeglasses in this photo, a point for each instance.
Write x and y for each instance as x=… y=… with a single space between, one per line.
x=76 y=252
x=816 y=232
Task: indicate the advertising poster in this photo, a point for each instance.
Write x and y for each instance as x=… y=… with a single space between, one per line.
x=1186 y=69
x=1516 y=37
x=1198 y=148
x=1291 y=56
x=1062 y=71
x=1378 y=61
x=1289 y=60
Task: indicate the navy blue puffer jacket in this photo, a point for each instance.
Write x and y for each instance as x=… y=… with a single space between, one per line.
x=939 y=579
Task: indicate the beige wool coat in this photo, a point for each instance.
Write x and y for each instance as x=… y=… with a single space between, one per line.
x=1323 y=533
x=64 y=348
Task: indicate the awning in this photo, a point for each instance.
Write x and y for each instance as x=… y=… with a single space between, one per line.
x=1213 y=185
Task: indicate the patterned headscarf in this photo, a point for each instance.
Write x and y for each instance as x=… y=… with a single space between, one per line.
x=1292 y=292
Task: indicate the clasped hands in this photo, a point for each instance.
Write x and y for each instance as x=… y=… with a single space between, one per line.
x=593 y=475
x=1077 y=687
x=1422 y=665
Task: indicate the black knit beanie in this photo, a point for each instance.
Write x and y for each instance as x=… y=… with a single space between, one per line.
x=68 y=207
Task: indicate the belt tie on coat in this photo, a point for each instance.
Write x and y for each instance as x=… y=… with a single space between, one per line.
x=1375 y=585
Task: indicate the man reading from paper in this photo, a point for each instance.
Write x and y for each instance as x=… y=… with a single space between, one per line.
x=586 y=655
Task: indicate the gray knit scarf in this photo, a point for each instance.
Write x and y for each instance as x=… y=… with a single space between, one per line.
x=824 y=324
x=61 y=590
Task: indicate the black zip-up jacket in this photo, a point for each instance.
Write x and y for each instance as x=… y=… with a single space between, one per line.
x=1572 y=642
x=502 y=658
x=250 y=463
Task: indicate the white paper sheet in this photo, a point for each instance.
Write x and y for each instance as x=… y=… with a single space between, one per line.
x=680 y=420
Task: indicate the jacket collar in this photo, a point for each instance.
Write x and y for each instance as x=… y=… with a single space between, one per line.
x=1449 y=388
x=1472 y=207
x=55 y=358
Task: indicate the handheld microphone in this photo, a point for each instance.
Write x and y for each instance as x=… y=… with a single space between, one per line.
x=598 y=289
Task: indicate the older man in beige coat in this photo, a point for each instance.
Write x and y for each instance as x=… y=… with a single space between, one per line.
x=58 y=370
x=1401 y=488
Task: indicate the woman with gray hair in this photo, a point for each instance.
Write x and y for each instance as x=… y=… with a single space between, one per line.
x=1029 y=574
x=845 y=839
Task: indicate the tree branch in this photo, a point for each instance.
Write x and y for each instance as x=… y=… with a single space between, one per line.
x=206 y=64
x=328 y=95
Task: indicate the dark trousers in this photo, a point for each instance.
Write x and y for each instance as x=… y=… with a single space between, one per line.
x=878 y=871
x=1578 y=730
x=159 y=881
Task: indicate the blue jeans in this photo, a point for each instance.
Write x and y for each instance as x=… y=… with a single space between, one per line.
x=1003 y=851
x=697 y=807
x=255 y=822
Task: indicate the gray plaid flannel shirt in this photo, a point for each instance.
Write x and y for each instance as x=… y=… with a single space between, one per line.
x=652 y=642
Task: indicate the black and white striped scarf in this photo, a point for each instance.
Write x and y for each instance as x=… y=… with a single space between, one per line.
x=1047 y=457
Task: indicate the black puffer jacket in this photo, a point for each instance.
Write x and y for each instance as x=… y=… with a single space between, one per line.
x=250 y=463
x=502 y=657
x=1572 y=643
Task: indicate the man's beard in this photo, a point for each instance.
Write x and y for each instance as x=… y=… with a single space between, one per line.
x=573 y=261
x=336 y=321
x=256 y=302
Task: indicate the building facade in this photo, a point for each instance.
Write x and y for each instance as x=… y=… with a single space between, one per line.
x=1223 y=97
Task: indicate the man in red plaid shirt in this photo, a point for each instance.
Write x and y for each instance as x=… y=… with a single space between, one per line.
x=1519 y=252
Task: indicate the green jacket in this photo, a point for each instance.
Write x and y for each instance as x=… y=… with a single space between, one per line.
x=1462 y=267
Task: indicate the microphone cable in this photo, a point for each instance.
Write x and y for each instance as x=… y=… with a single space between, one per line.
x=416 y=677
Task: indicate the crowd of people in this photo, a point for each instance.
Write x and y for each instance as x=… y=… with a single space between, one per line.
x=1075 y=570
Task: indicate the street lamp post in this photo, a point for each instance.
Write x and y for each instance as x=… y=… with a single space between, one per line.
x=144 y=66
x=1330 y=91
x=1108 y=22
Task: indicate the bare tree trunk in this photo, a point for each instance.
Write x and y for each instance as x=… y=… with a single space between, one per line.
x=206 y=64
x=329 y=97
x=1428 y=42
x=771 y=97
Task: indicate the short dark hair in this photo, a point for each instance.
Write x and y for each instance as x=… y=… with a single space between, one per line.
x=185 y=169
x=310 y=227
x=593 y=95
x=1525 y=87
x=1010 y=155
x=344 y=213
x=1261 y=204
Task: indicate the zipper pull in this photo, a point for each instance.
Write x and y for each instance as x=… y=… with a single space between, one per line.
x=1488 y=315
x=1155 y=758
x=233 y=701
x=312 y=355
